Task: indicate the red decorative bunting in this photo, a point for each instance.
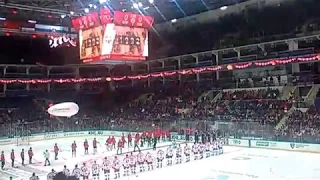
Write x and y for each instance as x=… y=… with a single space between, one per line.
x=273 y=62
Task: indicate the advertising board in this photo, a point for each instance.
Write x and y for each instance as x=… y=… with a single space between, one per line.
x=238 y=142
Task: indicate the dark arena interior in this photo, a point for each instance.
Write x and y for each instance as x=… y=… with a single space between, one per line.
x=226 y=89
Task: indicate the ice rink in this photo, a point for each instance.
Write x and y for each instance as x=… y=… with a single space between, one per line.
x=235 y=164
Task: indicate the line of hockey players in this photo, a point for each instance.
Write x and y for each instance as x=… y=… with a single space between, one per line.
x=133 y=164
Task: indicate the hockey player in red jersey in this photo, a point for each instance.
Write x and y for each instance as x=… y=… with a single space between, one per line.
x=3 y=160
x=12 y=157
x=106 y=166
x=141 y=159
x=116 y=167
x=86 y=147
x=126 y=165
x=129 y=140
x=149 y=161
x=94 y=144
x=95 y=171
x=160 y=157
x=56 y=151
x=109 y=144
x=133 y=162
x=74 y=149
x=120 y=147
x=85 y=172
x=30 y=154
x=113 y=142
x=22 y=157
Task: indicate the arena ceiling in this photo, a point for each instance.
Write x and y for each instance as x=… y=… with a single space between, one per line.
x=58 y=11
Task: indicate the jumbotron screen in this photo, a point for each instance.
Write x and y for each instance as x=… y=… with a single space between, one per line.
x=113 y=42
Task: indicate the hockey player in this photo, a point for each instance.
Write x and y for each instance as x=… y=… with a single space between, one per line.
x=133 y=161
x=56 y=151
x=160 y=157
x=46 y=155
x=187 y=152
x=85 y=172
x=94 y=144
x=178 y=155
x=113 y=142
x=51 y=174
x=116 y=167
x=34 y=177
x=215 y=148
x=66 y=171
x=74 y=149
x=208 y=149
x=220 y=146
x=106 y=166
x=76 y=172
x=3 y=160
x=149 y=161
x=169 y=155
x=108 y=144
x=120 y=146
x=126 y=165
x=195 y=151
x=136 y=144
x=129 y=140
x=12 y=157
x=86 y=147
x=202 y=148
x=30 y=154
x=22 y=157
x=95 y=171
x=141 y=160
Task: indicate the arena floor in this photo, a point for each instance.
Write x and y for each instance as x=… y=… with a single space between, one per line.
x=236 y=164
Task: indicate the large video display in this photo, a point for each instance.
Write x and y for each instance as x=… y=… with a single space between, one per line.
x=114 y=42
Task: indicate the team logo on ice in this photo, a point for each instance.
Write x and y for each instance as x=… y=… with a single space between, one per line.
x=292 y=145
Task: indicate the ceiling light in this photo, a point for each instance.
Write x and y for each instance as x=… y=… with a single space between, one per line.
x=174 y=20
x=90 y=5
x=223 y=8
x=2 y=19
x=102 y=1
x=94 y=6
x=63 y=16
x=86 y=10
x=71 y=12
x=140 y=4
x=151 y=1
x=32 y=21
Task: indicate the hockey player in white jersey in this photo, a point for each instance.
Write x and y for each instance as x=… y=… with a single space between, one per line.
x=187 y=152
x=141 y=159
x=215 y=148
x=179 y=154
x=66 y=171
x=76 y=172
x=195 y=150
x=208 y=149
x=85 y=172
x=220 y=146
x=106 y=166
x=169 y=155
x=51 y=174
x=133 y=162
x=126 y=165
x=116 y=167
x=34 y=177
x=202 y=148
x=149 y=161
x=160 y=157
x=95 y=171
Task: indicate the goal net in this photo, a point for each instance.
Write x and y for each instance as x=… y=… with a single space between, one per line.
x=23 y=141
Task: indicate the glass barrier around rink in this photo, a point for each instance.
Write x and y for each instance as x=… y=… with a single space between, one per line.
x=254 y=130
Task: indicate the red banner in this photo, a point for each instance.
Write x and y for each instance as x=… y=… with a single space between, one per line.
x=85 y=22
x=131 y=19
x=105 y=16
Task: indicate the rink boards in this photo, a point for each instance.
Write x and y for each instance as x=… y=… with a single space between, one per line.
x=288 y=146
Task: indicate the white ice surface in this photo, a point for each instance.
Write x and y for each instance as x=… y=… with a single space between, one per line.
x=236 y=164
